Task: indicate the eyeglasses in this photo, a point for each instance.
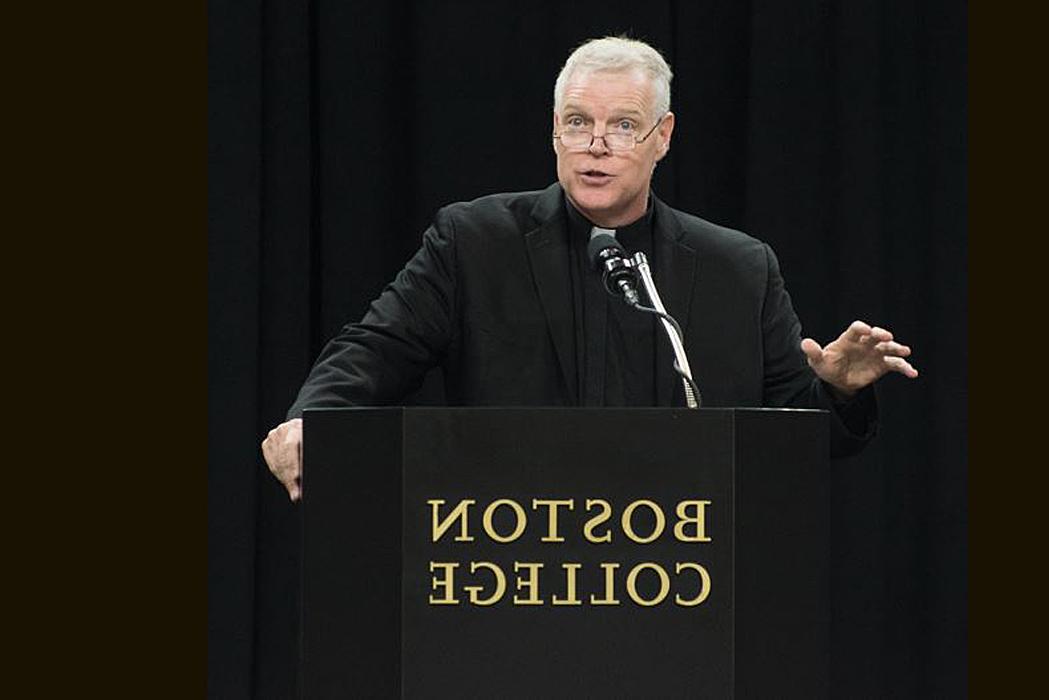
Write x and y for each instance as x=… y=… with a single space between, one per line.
x=579 y=140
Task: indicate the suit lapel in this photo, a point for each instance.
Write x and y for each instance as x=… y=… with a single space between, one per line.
x=674 y=272
x=547 y=247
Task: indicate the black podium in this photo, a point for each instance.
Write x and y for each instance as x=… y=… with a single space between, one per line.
x=544 y=553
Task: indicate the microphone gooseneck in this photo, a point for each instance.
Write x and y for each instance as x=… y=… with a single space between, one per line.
x=693 y=399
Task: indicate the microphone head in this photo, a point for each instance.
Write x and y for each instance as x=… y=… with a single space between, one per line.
x=611 y=260
x=603 y=245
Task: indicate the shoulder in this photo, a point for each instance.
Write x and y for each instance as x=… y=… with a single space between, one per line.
x=728 y=255
x=708 y=238
x=504 y=211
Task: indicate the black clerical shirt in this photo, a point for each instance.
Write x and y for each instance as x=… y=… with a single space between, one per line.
x=615 y=344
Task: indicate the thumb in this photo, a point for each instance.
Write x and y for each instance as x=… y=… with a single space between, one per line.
x=812 y=351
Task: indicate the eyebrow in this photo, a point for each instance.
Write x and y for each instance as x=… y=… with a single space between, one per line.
x=569 y=107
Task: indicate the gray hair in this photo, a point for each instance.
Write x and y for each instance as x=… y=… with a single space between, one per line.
x=618 y=54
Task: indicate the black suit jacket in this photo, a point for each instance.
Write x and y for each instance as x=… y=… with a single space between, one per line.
x=488 y=298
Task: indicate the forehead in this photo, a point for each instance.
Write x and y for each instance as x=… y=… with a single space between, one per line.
x=620 y=91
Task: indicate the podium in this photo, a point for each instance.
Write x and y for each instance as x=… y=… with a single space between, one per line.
x=549 y=552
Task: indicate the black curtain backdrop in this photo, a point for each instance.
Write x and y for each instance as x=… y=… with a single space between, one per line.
x=835 y=131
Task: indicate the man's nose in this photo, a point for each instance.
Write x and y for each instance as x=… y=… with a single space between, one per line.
x=596 y=149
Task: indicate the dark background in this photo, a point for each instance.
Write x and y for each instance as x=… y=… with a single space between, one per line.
x=835 y=131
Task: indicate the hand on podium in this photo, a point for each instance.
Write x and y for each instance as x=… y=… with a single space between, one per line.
x=282 y=449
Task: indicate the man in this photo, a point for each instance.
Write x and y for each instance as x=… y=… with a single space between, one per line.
x=501 y=294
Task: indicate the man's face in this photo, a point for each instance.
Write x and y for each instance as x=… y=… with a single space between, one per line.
x=610 y=187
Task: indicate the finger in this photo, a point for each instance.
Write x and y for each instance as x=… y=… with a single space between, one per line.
x=291 y=468
x=268 y=453
x=281 y=459
x=893 y=348
x=898 y=364
x=288 y=474
x=856 y=331
x=277 y=462
x=880 y=335
x=294 y=470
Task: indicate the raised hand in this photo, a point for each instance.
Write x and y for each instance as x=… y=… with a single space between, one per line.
x=860 y=356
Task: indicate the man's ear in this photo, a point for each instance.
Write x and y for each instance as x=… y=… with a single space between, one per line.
x=557 y=122
x=666 y=128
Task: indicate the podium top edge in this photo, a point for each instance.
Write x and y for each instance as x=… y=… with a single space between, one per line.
x=576 y=409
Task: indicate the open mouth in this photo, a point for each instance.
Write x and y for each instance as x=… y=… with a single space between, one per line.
x=595 y=176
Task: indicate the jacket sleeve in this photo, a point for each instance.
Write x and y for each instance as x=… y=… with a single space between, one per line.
x=405 y=332
x=790 y=382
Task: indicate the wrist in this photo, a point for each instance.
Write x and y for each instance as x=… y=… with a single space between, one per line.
x=839 y=394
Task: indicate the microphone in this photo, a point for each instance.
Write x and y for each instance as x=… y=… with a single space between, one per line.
x=605 y=254
x=620 y=274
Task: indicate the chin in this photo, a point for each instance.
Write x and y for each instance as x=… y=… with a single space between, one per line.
x=596 y=202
